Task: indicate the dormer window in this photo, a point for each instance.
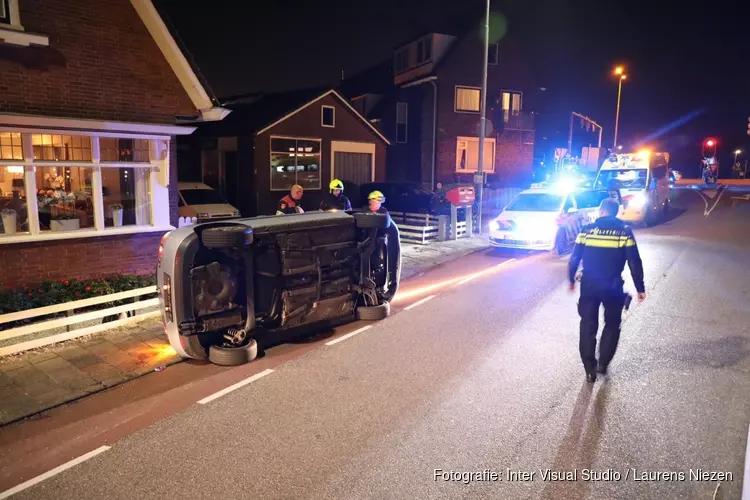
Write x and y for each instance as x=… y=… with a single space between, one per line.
x=424 y=50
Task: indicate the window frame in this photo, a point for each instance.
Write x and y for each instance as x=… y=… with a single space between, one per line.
x=455 y=99
x=405 y=123
x=7 y=19
x=323 y=114
x=157 y=185
x=271 y=152
x=467 y=140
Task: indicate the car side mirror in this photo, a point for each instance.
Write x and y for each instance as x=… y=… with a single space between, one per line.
x=572 y=210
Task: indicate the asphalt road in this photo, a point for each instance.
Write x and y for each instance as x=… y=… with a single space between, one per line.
x=484 y=375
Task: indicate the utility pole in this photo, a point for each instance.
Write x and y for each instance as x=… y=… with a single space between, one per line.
x=479 y=178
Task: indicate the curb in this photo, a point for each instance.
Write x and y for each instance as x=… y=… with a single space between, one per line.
x=39 y=413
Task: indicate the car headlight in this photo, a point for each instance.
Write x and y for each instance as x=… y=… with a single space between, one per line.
x=638 y=201
x=202 y=216
x=494 y=225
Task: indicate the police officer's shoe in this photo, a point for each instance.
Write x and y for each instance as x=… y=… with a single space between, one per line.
x=591 y=377
x=601 y=369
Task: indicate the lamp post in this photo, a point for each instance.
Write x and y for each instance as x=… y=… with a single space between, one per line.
x=736 y=153
x=479 y=178
x=619 y=71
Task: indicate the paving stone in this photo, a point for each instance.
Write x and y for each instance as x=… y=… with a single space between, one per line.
x=122 y=360
x=65 y=374
x=38 y=357
x=134 y=345
x=104 y=372
x=30 y=374
x=119 y=338
x=13 y=363
x=51 y=398
x=87 y=359
x=103 y=348
x=72 y=352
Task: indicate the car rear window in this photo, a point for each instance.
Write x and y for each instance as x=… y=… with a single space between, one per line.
x=202 y=197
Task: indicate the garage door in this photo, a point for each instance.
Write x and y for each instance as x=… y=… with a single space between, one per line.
x=352 y=167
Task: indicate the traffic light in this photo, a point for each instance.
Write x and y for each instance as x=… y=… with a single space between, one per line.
x=709 y=143
x=709 y=147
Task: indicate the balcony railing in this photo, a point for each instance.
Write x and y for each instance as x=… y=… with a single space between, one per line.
x=519 y=121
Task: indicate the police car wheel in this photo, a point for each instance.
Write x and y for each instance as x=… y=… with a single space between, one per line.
x=226 y=237
x=369 y=220
x=233 y=356
x=374 y=313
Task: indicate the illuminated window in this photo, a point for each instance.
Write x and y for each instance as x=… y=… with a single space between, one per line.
x=65 y=198
x=467 y=99
x=10 y=145
x=467 y=155
x=126 y=195
x=123 y=150
x=49 y=147
x=295 y=161
x=13 y=208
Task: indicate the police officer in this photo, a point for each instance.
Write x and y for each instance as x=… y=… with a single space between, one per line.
x=290 y=204
x=604 y=246
x=375 y=203
x=335 y=199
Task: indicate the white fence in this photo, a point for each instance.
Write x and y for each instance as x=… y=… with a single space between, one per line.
x=187 y=221
x=417 y=228
x=139 y=309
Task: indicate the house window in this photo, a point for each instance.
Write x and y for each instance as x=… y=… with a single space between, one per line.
x=467 y=99
x=492 y=54
x=50 y=147
x=511 y=102
x=15 y=217
x=5 y=11
x=424 y=50
x=125 y=150
x=60 y=184
x=467 y=155
x=295 y=161
x=10 y=145
x=402 y=120
x=328 y=116
x=402 y=60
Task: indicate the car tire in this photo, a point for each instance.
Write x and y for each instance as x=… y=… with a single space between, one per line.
x=369 y=220
x=233 y=356
x=374 y=313
x=226 y=237
x=193 y=347
x=561 y=243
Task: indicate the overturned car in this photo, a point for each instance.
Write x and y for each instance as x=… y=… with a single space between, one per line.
x=228 y=289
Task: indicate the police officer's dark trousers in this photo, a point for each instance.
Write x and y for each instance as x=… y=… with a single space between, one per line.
x=594 y=295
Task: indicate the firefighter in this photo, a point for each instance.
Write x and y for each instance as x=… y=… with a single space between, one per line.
x=375 y=203
x=604 y=246
x=290 y=204
x=335 y=199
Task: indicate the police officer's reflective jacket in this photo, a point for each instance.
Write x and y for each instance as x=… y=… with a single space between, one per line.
x=287 y=205
x=605 y=246
x=331 y=202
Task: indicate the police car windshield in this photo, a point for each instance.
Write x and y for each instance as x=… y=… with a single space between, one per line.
x=622 y=179
x=536 y=202
x=202 y=197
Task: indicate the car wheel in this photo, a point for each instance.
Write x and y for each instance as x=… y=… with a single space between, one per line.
x=233 y=356
x=227 y=237
x=369 y=220
x=561 y=243
x=374 y=313
x=193 y=347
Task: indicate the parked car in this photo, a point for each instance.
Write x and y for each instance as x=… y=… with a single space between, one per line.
x=229 y=288
x=200 y=200
x=407 y=197
x=545 y=218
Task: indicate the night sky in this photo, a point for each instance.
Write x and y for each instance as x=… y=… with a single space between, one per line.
x=687 y=61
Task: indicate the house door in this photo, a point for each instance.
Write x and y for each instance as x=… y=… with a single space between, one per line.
x=355 y=168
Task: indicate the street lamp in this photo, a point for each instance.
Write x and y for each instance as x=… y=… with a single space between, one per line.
x=619 y=71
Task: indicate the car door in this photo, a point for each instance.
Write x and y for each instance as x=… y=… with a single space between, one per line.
x=572 y=219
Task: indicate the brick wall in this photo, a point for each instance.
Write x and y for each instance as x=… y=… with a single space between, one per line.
x=173 y=191
x=32 y=263
x=101 y=63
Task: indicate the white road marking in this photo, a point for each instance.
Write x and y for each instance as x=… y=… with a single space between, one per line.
x=53 y=472
x=746 y=479
x=708 y=212
x=231 y=388
x=420 y=302
x=348 y=335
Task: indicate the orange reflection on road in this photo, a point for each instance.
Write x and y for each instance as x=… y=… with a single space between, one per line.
x=416 y=292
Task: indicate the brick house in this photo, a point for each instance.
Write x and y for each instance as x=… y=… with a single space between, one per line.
x=426 y=100
x=273 y=141
x=90 y=96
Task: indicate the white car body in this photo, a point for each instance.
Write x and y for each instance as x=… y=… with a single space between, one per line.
x=531 y=229
x=217 y=209
x=643 y=182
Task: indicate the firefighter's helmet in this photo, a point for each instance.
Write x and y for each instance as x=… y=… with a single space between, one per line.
x=377 y=195
x=336 y=184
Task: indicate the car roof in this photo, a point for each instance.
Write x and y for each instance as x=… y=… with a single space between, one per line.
x=192 y=185
x=541 y=191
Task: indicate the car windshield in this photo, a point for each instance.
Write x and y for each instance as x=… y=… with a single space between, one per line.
x=590 y=199
x=202 y=197
x=622 y=179
x=535 y=202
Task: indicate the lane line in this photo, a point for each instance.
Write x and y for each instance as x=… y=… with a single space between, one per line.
x=348 y=335
x=746 y=478
x=419 y=302
x=721 y=193
x=53 y=472
x=236 y=386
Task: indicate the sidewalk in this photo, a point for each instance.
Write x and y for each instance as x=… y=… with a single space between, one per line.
x=35 y=381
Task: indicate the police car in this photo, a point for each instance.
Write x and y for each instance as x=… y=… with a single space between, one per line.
x=545 y=217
